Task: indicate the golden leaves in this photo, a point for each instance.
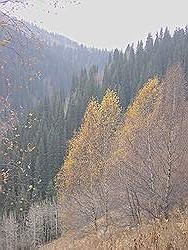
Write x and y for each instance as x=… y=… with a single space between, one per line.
x=30 y=147
x=4 y=42
x=88 y=150
x=145 y=100
x=139 y=116
x=104 y=139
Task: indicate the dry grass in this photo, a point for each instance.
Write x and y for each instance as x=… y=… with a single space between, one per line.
x=158 y=235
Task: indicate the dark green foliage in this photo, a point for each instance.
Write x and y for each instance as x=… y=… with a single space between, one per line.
x=126 y=72
x=33 y=151
x=48 y=127
x=84 y=87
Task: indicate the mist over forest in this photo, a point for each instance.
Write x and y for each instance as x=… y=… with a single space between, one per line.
x=93 y=142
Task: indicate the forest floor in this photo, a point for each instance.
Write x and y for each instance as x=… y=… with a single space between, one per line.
x=158 y=234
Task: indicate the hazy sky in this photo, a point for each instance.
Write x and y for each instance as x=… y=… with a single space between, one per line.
x=110 y=23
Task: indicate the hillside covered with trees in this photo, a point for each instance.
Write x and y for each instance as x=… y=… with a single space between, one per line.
x=107 y=156
x=37 y=63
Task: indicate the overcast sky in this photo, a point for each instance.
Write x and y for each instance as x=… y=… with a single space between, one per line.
x=109 y=23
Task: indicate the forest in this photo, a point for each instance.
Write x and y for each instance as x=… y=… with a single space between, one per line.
x=93 y=143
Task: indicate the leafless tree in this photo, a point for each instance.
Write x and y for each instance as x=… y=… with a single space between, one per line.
x=40 y=225
x=154 y=170
x=9 y=231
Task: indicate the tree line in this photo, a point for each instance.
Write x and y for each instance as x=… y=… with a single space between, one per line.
x=124 y=167
x=114 y=137
x=48 y=127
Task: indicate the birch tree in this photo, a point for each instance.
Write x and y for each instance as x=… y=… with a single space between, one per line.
x=153 y=164
x=85 y=176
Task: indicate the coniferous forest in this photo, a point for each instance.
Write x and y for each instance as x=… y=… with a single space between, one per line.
x=93 y=143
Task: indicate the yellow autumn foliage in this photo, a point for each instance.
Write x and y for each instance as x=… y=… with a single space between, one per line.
x=89 y=149
x=92 y=149
x=140 y=115
x=68 y=171
x=115 y=167
x=145 y=103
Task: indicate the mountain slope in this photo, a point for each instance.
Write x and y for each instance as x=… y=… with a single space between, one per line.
x=40 y=64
